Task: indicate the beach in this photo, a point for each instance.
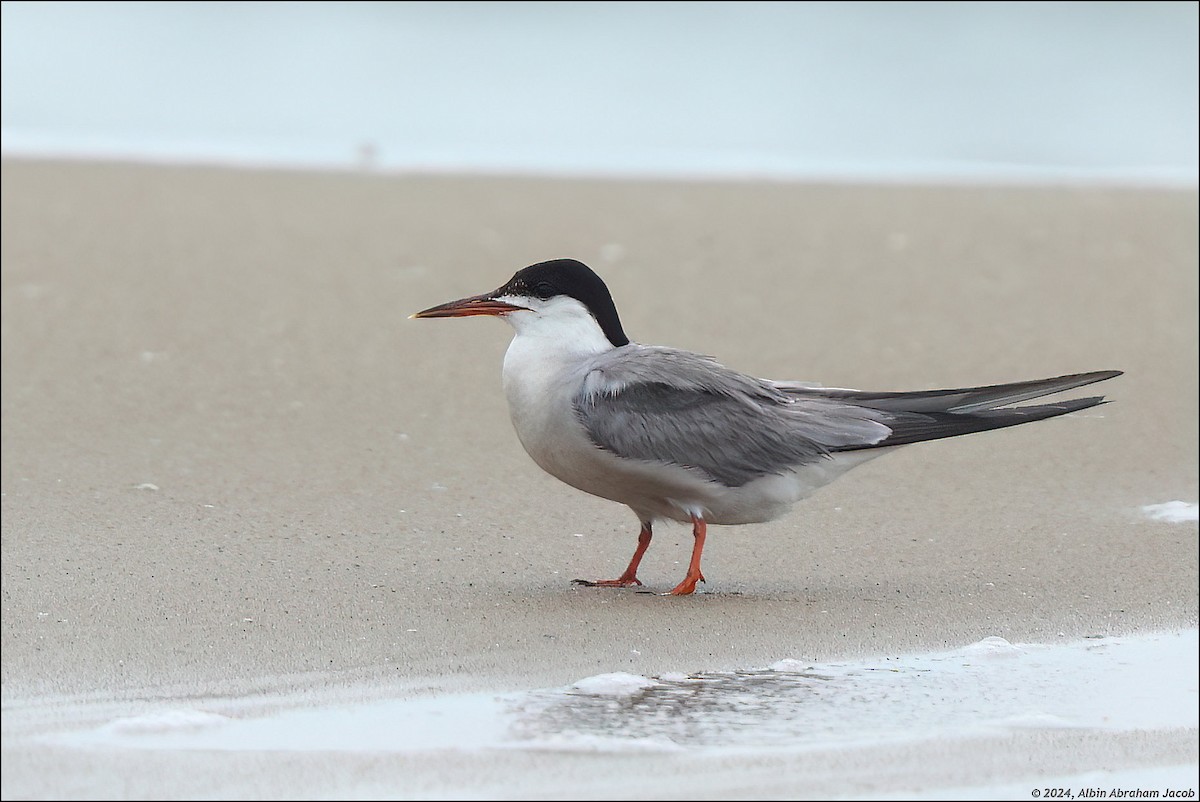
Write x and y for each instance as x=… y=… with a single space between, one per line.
x=233 y=469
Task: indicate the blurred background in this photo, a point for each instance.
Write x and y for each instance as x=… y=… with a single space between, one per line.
x=937 y=91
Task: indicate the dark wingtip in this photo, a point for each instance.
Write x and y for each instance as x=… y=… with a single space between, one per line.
x=1081 y=379
x=1073 y=405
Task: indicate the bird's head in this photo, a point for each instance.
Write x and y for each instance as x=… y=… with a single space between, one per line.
x=550 y=298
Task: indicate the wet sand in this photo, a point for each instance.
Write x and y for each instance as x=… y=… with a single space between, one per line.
x=232 y=465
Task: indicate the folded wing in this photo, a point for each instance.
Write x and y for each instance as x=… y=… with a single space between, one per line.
x=675 y=407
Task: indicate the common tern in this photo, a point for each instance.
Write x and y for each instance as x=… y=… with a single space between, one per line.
x=676 y=435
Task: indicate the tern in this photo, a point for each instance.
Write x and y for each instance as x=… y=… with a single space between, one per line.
x=678 y=436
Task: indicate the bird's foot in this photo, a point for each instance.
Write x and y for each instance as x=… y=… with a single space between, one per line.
x=687 y=586
x=623 y=582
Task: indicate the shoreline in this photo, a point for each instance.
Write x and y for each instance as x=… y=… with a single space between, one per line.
x=966 y=175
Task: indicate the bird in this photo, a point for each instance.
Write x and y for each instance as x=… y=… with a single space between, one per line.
x=676 y=435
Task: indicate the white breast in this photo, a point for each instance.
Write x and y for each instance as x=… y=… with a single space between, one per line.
x=544 y=368
x=544 y=371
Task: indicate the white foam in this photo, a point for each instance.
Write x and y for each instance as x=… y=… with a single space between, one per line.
x=164 y=722
x=1175 y=512
x=595 y=744
x=790 y=665
x=1037 y=721
x=467 y=721
x=616 y=684
x=993 y=646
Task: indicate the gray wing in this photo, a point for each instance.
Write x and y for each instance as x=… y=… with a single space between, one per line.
x=676 y=407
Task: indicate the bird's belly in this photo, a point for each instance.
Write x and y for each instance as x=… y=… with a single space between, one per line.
x=771 y=496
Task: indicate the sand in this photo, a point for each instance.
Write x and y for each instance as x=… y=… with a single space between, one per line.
x=233 y=466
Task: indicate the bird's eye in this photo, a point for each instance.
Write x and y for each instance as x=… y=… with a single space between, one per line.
x=544 y=290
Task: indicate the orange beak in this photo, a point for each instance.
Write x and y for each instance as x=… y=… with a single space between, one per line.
x=466 y=307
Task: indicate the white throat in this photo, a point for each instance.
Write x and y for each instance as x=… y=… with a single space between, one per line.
x=547 y=359
x=560 y=326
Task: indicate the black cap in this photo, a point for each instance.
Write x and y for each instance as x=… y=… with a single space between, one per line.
x=575 y=279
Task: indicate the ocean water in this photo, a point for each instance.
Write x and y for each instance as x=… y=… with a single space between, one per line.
x=928 y=91
x=992 y=687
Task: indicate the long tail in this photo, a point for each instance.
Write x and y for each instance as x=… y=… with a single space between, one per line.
x=934 y=414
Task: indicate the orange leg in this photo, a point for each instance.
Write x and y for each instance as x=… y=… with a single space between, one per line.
x=630 y=576
x=688 y=585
